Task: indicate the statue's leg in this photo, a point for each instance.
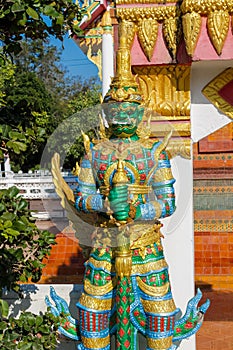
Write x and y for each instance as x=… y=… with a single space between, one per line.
x=160 y=313
x=94 y=318
x=153 y=287
x=95 y=304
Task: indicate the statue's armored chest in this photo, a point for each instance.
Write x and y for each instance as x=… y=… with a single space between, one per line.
x=138 y=162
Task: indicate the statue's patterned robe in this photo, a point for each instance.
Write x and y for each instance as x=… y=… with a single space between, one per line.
x=144 y=300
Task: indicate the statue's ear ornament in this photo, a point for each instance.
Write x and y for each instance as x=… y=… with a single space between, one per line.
x=86 y=141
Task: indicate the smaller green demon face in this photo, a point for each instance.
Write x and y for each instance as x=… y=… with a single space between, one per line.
x=123 y=117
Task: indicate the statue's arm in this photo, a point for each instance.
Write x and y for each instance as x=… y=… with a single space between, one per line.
x=87 y=199
x=162 y=185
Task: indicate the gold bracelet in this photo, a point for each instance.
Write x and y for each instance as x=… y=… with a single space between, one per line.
x=88 y=202
x=132 y=211
x=158 y=209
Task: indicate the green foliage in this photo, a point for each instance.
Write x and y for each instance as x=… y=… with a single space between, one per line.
x=38 y=97
x=33 y=19
x=67 y=139
x=83 y=95
x=11 y=141
x=27 y=117
x=26 y=93
x=29 y=332
x=22 y=245
x=7 y=72
x=4 y=309
x=22 y=250
x=43 y=59
x=84 y=106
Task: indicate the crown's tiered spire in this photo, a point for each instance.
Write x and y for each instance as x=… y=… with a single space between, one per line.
x=124 y=86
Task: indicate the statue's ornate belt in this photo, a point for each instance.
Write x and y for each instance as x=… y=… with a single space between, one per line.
x=139 y=235
x=151 y=234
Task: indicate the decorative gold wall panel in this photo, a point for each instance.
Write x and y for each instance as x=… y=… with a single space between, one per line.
x=159 y=2
x=205 y=7
x=167 y=89
x=218 y=14
x=136 y=14
x=146 y=19
x=191 y=23
x=181 y=129
x=172 y=34
x=147 y=35
x=180 y=147
x=218 y=26
x=175 y=15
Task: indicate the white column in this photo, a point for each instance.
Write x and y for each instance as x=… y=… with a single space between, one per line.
x=178 y=229
x=107 y=53
x=179 y=240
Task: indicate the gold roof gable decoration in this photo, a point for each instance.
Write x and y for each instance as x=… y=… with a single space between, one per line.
x=177 y=17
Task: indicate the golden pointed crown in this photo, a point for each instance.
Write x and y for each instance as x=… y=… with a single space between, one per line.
x=124 y=87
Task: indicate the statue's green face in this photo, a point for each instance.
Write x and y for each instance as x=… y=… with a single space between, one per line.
x=124 y=117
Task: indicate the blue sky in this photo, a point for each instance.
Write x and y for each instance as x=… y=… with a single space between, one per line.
x=74 y=59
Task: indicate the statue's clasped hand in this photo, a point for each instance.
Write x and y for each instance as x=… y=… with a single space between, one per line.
x=118 y=199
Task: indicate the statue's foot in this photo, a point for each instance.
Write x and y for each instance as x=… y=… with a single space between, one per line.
x=68 y=326
x=192 y=320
